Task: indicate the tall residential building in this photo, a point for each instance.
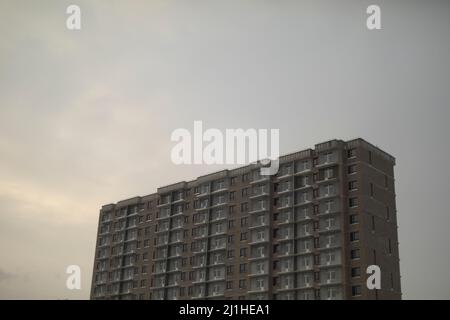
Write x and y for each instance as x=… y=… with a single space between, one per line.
x=308 y=232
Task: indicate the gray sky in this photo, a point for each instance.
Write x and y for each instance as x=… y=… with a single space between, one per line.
x=86 y=116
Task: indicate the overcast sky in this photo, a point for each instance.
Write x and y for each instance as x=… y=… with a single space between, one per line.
x=86 y=116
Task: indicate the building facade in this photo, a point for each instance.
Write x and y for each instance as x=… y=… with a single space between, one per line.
x=308 y=232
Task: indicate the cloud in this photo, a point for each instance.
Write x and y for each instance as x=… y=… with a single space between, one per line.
x=4 y=275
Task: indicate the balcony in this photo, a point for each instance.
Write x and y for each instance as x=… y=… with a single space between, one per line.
x=257 y=209
x=164 y=215
x=259 y=178
x=258 y=241
x=259 y=192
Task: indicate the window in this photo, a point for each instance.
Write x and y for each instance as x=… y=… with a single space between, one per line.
x=244 y=192
x=243 y=236
x=244 y=221
x=354 y=236
x=230 y=224
x=276 y=233
x=242 y=284
x=351 y=153
x=230 y=254
x=370 y=157
x=373 y=223
x=356 y=272
x=354 y=254
x=230 y=239
x=229 y=269
x=275 y=281
x=242 y=267
x=316 y=193
x=387 y=214
x=352 y=185
x=316 y=276
x=351 y=169
x=233 y=181
x=389 y=246
x=232 y=195
x=243 y=252
x=316 y=259
x=276 y=248
x=329 y=173
x=353 y=202
x=229 y=285
x=353 y=219
x=276 y=265
x=244 y=207
x=386 y=181
x=356 y=291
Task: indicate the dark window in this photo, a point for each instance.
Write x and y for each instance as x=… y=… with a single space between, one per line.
x=242 y=284
x=276 y=233
x=243 y=268
x=356 y=272
x=353 y=218
x=276 y=264
x=351 y=153
x=229 y=269
x=317 y=294
x=356 y=291
x=351 y=169
x=275 y=281
x=316 y=243
x=316 y=259
x=354 y=254
x=354 y=236
x=316 y=276
x=352 y=202
x=352 y=185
